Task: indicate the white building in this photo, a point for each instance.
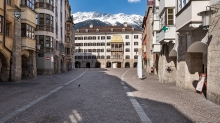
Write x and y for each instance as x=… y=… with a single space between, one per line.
x=107 y=46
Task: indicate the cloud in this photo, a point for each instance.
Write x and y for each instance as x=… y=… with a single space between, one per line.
x=133 y=1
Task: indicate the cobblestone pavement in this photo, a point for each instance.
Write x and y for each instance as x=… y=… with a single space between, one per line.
x=99 y=99
x=167 y=103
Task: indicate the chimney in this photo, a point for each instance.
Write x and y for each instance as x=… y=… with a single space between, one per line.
x=91 y=25
x=125 y=24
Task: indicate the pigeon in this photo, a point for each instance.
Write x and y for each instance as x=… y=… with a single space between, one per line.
x=79 y=85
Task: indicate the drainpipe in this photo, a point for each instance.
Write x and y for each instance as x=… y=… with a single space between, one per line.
x=5 y=40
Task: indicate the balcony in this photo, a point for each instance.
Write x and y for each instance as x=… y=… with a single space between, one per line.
x=117 y=49
x=28 y=43
x=187 y=18
x=166 y=4
x=168 y=35
x=44 y=5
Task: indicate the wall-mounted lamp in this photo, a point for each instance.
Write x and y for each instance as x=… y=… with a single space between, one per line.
x=206 y=17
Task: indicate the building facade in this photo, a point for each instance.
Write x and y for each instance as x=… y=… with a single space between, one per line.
x=54 y=34
x=107 y=47
x=18 y=44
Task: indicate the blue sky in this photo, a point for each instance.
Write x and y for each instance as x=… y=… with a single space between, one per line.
x=109 y=6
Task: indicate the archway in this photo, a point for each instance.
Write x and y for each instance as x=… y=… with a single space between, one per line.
x=77 y=64
x=97 y=64
x=24 y=66
x=135 y=65
x=4 y=67
x=127 y=65
x=108 y=65
x=87 y=65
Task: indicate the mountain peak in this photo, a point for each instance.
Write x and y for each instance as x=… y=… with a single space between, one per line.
x=108 y=19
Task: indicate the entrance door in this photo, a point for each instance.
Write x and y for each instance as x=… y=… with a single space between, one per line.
x=87 y=65
x=119 y=65
x=114 y=65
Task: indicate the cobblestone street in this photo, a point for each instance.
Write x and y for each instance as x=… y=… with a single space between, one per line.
x=98 y=96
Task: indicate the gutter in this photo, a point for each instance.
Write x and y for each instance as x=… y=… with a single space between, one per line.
x=4 y=45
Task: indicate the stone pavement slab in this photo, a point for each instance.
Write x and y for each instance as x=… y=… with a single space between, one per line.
x=167 y=103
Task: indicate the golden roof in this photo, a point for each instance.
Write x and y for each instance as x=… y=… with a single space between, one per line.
x=116 y=38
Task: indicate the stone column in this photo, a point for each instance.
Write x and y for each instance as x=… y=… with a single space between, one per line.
x=16 y=52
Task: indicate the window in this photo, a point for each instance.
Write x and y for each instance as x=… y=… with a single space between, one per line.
x=90 y=38
x=113 y=46
x=135 y=57
x=85 y=57
x=127 y=37
x=41 y=41
x=127 y=50
x=90 y=50
x=98 y=44
x=127 y=57
x=94 y=50
x=85 y=50
x=68 y=27
x=102 y=50
x=85 y=44
x=108 y=50
x=28 y=3
x=102 y=44
x=27 y=31
x=41 y=19
x=56 y=28
x=127 y=43
x=7 y=29
x=170 y=17
x=47 y=42
x=102 y=57
x=1 y=23
x=98 y=57
x=108 y=43
x=85 y=38
x=89 y=57
x=107 y=57
x=68 y=39
x=102 y=37
x=93 y=44
x=135 y=43
x=98 y=37
x=135 y=36
x=108 y=37
x=98 y=50
x=89 y=44
x=8 y=2
x=93 y=57
x=94 y=37
x=135 y=49
x=180 y=5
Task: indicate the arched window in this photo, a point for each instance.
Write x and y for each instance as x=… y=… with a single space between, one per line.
x=93 y=57
x=108 y=57
x=85 y=57
x=136 y=57
x=127 y=50
x=89 y=57
x=102 y=57
x=127 y=57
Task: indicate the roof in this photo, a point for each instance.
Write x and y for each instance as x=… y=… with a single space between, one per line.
x=102 y=29
x=117 y=38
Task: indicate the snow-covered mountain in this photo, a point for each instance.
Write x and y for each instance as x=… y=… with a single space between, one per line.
x=83 y=19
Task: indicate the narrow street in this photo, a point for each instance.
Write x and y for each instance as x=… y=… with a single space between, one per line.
x=99 y=96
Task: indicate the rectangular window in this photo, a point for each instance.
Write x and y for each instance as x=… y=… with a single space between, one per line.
x=7 y=29
x=47 y=42
x=102 y=37
x=180 y=5
x=135 y=43
x=127 y=43
x=135 y=36
x=1 y=23
x=8 y=2
x=68 y=27
x=41 y=41
x=108 y=43
x=51 y=42
x=28 y=3
x=108 y=37
x=41 y=19
x=170 y=17
x=127 y=37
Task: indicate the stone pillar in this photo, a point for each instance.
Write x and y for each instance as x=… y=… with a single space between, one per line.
x=16 y=52
x=213 y=69
x=167 y=65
